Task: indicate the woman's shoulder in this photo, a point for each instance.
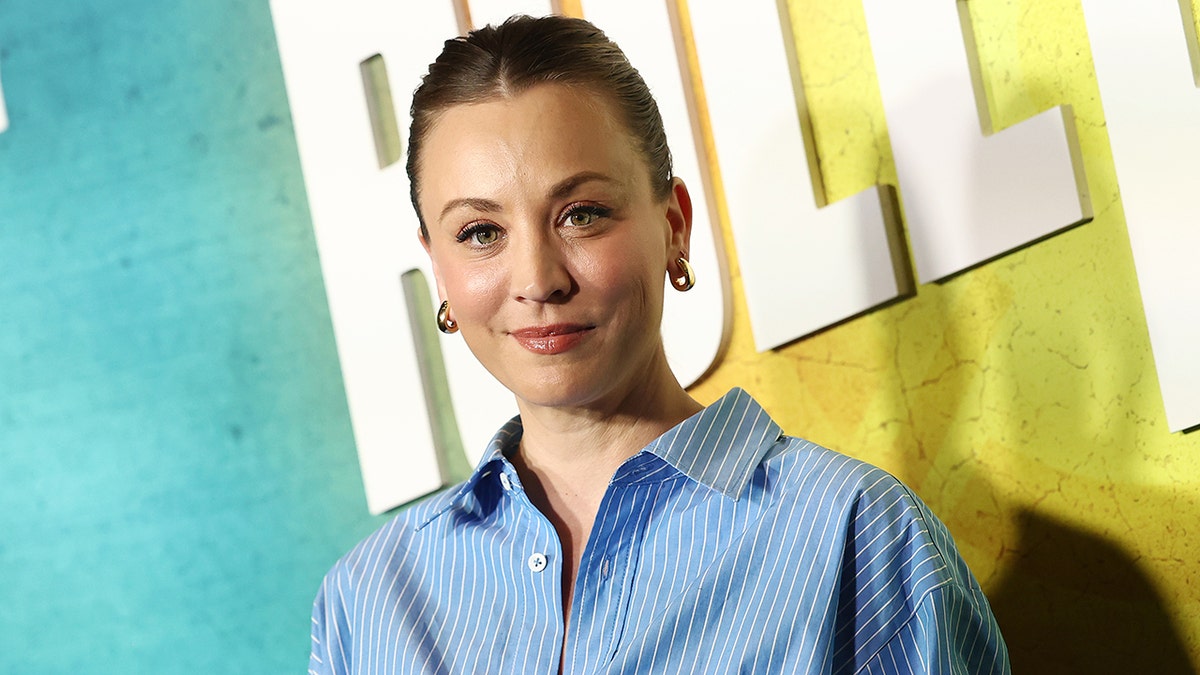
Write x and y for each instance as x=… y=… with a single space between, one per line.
x=804 y=466
x=868 y=500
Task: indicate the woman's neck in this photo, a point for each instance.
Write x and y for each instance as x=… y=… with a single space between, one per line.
x=575 y=450
x=567 y=457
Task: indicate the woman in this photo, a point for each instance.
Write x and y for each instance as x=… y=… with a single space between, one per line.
x=617 y=525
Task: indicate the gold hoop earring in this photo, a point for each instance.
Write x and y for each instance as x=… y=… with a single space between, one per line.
x=685 y=281
x=444 y=322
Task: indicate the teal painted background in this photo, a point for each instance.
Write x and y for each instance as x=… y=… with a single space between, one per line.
x=177 y=469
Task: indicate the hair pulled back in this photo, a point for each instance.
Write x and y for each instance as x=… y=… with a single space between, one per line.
x=504 y=61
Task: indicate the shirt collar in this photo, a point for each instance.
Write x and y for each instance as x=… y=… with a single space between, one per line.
x=719 y=447
x=494 y=462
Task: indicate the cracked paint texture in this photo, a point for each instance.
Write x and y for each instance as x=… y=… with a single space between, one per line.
x=1019 y=399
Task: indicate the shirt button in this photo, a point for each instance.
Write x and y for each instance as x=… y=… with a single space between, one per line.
x=537 y=562
x=505 y=482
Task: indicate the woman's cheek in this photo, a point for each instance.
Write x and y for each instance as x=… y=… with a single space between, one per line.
x=476 y=290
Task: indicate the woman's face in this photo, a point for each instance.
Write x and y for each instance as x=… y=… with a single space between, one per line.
x=549 y=244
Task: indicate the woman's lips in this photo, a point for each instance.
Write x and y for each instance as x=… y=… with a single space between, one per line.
x=552 y=339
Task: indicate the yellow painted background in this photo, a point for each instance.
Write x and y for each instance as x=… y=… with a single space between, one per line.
x=1019 y=399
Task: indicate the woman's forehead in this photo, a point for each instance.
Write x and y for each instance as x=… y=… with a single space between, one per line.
x=535 y=138
x=548 y=107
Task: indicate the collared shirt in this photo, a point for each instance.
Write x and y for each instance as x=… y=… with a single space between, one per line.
x=723 y=546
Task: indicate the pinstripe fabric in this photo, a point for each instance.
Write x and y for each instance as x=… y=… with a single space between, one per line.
x=723 y=547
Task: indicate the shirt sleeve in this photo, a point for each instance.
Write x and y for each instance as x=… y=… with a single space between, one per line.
x=917 y=608
x=329 y=630
x=949 y=633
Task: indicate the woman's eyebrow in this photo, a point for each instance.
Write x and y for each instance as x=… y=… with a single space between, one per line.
x=566 y=186
x=561 y=189
x=473 y=203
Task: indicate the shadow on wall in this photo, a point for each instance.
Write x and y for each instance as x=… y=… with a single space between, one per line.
x=1068 y=600
x=1071 y=602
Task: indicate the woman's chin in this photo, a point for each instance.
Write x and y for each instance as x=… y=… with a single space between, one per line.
x=564 y=388
x=559 y=396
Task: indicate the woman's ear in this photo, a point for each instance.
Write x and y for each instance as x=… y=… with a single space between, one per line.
x=679 y=217
x=441 y=291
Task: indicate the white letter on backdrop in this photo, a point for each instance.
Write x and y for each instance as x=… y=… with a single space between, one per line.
x=3 y=111
x=1152 y=110
x=967 y=197
x=694 y=323
x=366 y=233
x=484 y=12
x=803 y=267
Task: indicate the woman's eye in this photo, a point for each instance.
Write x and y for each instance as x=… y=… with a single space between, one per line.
x=480 y=234
x=485 y=236
x=582 y=216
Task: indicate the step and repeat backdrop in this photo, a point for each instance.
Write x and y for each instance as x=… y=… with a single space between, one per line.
x=953 y=239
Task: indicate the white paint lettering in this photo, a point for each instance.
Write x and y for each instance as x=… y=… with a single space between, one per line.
x=968 y=197
x=484 y=12
x=803 y=267
x=3 y=110
x=1148 y=68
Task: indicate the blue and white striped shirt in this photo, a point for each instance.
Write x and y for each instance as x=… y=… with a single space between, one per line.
x=723 y=546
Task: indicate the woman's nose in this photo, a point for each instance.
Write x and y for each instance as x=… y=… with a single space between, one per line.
x=539 y=272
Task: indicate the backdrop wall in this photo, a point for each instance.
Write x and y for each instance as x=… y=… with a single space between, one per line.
x=176 y=464
x=1019 y=399
x=177 y=469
